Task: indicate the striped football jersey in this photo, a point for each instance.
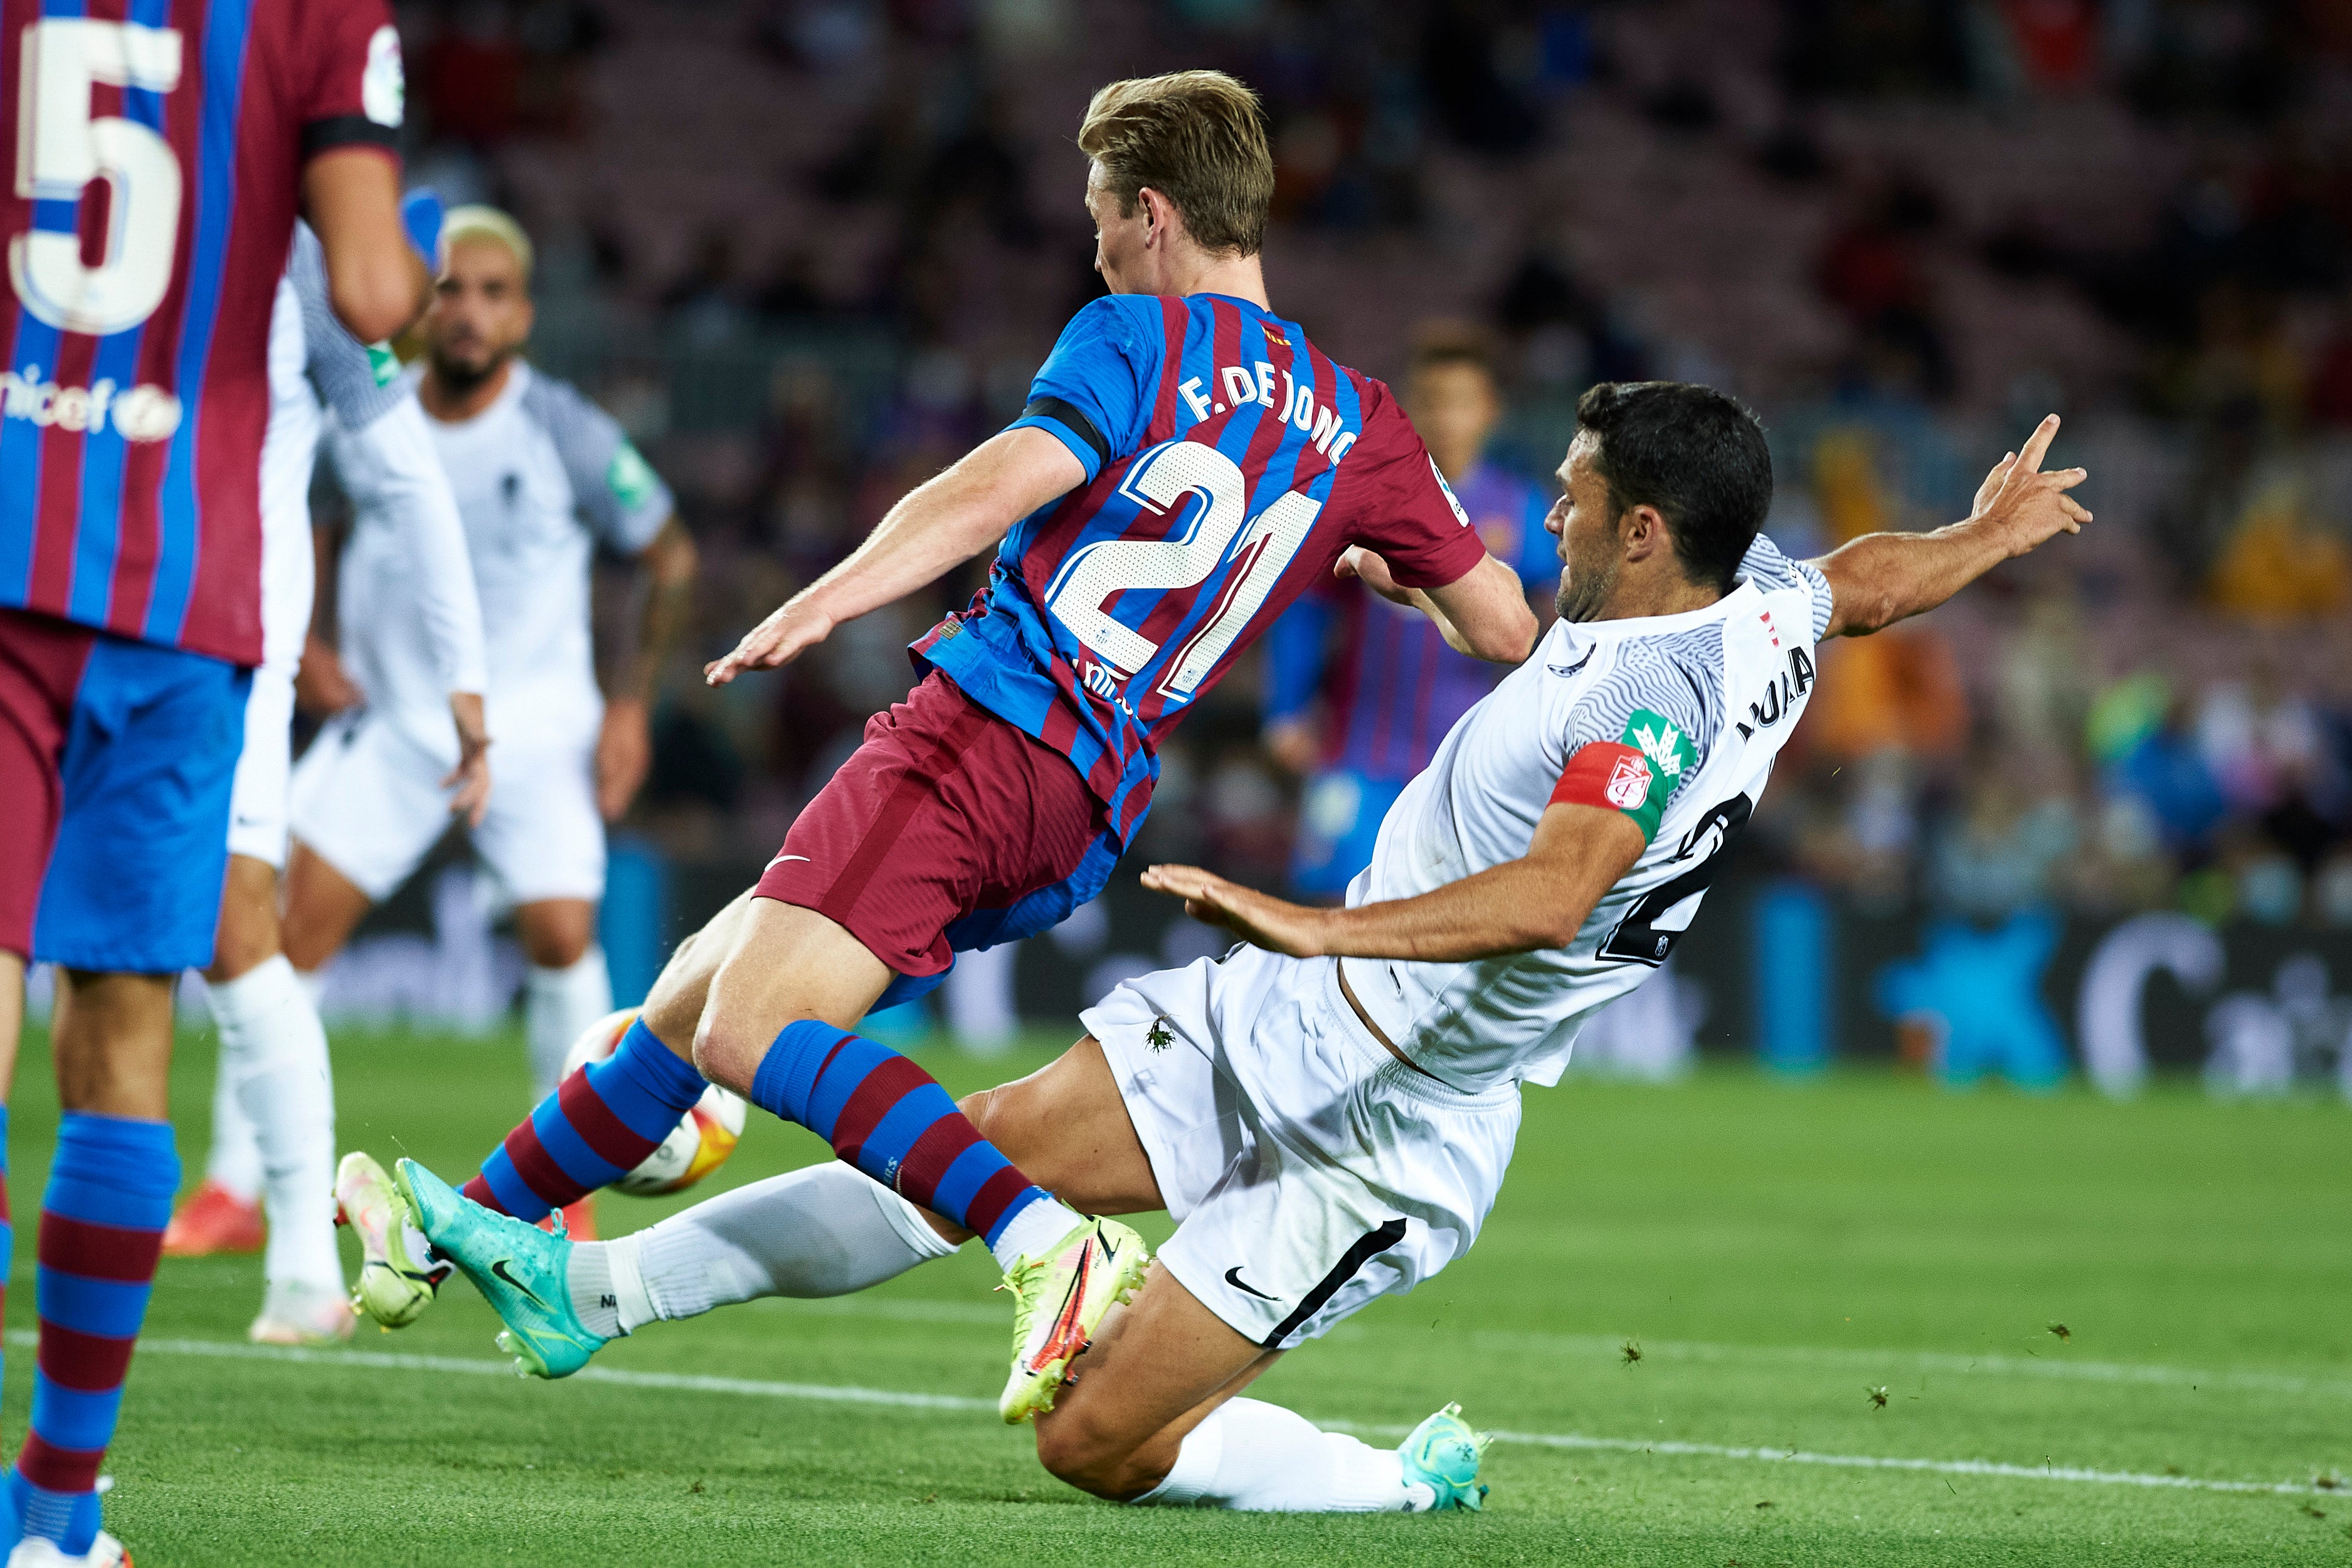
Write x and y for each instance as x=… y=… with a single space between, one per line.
x=158 y=148
x=1228 y=464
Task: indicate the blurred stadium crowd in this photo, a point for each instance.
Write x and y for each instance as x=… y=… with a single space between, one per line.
x=810 y=250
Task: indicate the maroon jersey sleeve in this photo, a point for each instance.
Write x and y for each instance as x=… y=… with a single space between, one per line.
x=344 y=76
x=1396 y=502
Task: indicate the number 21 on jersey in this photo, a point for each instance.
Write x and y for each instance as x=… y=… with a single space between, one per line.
x=1164 y=477
x=63 y=145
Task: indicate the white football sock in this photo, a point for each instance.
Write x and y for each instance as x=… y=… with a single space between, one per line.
x=558 y=1006
x=274 y=1050
x=824 y=1230
x=1251 y=1455
x=1032 y=1232
x=313 y=982
x=233 y=1162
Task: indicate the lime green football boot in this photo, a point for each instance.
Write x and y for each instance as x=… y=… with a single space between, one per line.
x=1058 y=1301
x=1442 y=1454
x=399 y=1276
x=521 y=1270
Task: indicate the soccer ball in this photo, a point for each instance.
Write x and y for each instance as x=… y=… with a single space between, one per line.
x=697 y=1146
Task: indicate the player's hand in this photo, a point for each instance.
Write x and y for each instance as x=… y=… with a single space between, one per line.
x=2027 y=505
x=782 y=637
x=471 y=779
x=1367 y=567
x=1292 y=743
x=322 y=686
x=624 y=754
x=1255 y=918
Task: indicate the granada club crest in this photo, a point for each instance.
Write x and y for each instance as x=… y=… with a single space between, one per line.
x=1629 y=781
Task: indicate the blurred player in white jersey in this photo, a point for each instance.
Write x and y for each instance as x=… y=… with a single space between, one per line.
x=542 y=478
x=273 y=1102
x=1327 y=1110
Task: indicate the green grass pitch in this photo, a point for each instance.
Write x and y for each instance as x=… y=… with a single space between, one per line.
x=1778 y=1254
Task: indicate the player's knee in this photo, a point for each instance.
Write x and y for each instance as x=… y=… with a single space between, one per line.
x=1081 y=1453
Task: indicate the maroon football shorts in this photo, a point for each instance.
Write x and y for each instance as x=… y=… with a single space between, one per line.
x=947 y=829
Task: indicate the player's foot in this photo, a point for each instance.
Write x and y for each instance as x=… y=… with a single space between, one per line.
x=294 y=1312
x=1058 y=1301
x=1442 y=1454
x=521 y=1270
x=579 y=1220
x=40 y=1552
x=215 y=1220
x=399 y=1276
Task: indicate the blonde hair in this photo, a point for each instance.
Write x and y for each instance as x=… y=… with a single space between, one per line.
x=488 y=223
x=1198 y=138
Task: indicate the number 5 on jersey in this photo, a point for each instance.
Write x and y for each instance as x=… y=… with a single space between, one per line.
x=1161 y=477
x=62 y=147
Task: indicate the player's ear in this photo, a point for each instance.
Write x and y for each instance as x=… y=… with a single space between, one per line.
x=1642 y=531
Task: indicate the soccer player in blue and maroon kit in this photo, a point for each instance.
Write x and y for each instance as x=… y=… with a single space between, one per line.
x=1359 y=691
x=134 y=326
x=1188 y=464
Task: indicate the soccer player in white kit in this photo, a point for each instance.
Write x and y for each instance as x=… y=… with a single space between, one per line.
x=273 y=1101
x=542 y=477
x=1327 y=1110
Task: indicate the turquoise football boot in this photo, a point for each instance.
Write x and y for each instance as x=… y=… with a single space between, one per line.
x=1442 y=1454
x=521 y=1270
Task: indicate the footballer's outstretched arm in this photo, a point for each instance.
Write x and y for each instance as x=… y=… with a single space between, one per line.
x=375 y=278
x=1482 y=612
x=1540 y=900
x=625 y=747
x=936 y=527
x=1881 y=578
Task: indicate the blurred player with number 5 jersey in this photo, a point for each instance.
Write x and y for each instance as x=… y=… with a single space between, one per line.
x=160 y=150
x=1187 y=464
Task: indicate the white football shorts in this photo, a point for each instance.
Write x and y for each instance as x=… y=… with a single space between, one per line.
x=257 y=801
x=1309 y=1172
x=369 y=801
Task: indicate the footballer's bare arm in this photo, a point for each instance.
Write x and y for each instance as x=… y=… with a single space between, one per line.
x=1540 y=900
x=1483 y=612
x=1881 y=578
x=936 y=527
x=375 y=280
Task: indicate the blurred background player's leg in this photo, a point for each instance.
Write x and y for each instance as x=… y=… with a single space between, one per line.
x=544 y=840
x=279 y=1085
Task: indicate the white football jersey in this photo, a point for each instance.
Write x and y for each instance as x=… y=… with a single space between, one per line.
x=1686 y=712
x=317 y=369
x=541 y=476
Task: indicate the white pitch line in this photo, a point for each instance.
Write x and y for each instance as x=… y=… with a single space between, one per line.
x=836 y=1394
x=2059 y=1366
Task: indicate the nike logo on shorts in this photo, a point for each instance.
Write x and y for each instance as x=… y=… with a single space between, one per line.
x=1234 y=1279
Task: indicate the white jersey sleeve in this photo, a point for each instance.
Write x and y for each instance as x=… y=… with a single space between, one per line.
x=1773 y=571
x=388 y=467
x=617 y=492
x=356 y=383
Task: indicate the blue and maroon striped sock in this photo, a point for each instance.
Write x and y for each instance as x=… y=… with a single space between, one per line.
x=892 y=1120
x=597 y=1126
x=103 y=1218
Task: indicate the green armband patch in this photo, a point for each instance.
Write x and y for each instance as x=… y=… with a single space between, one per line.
x=383 y=363
x=1669 y=754
x=630 y=477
